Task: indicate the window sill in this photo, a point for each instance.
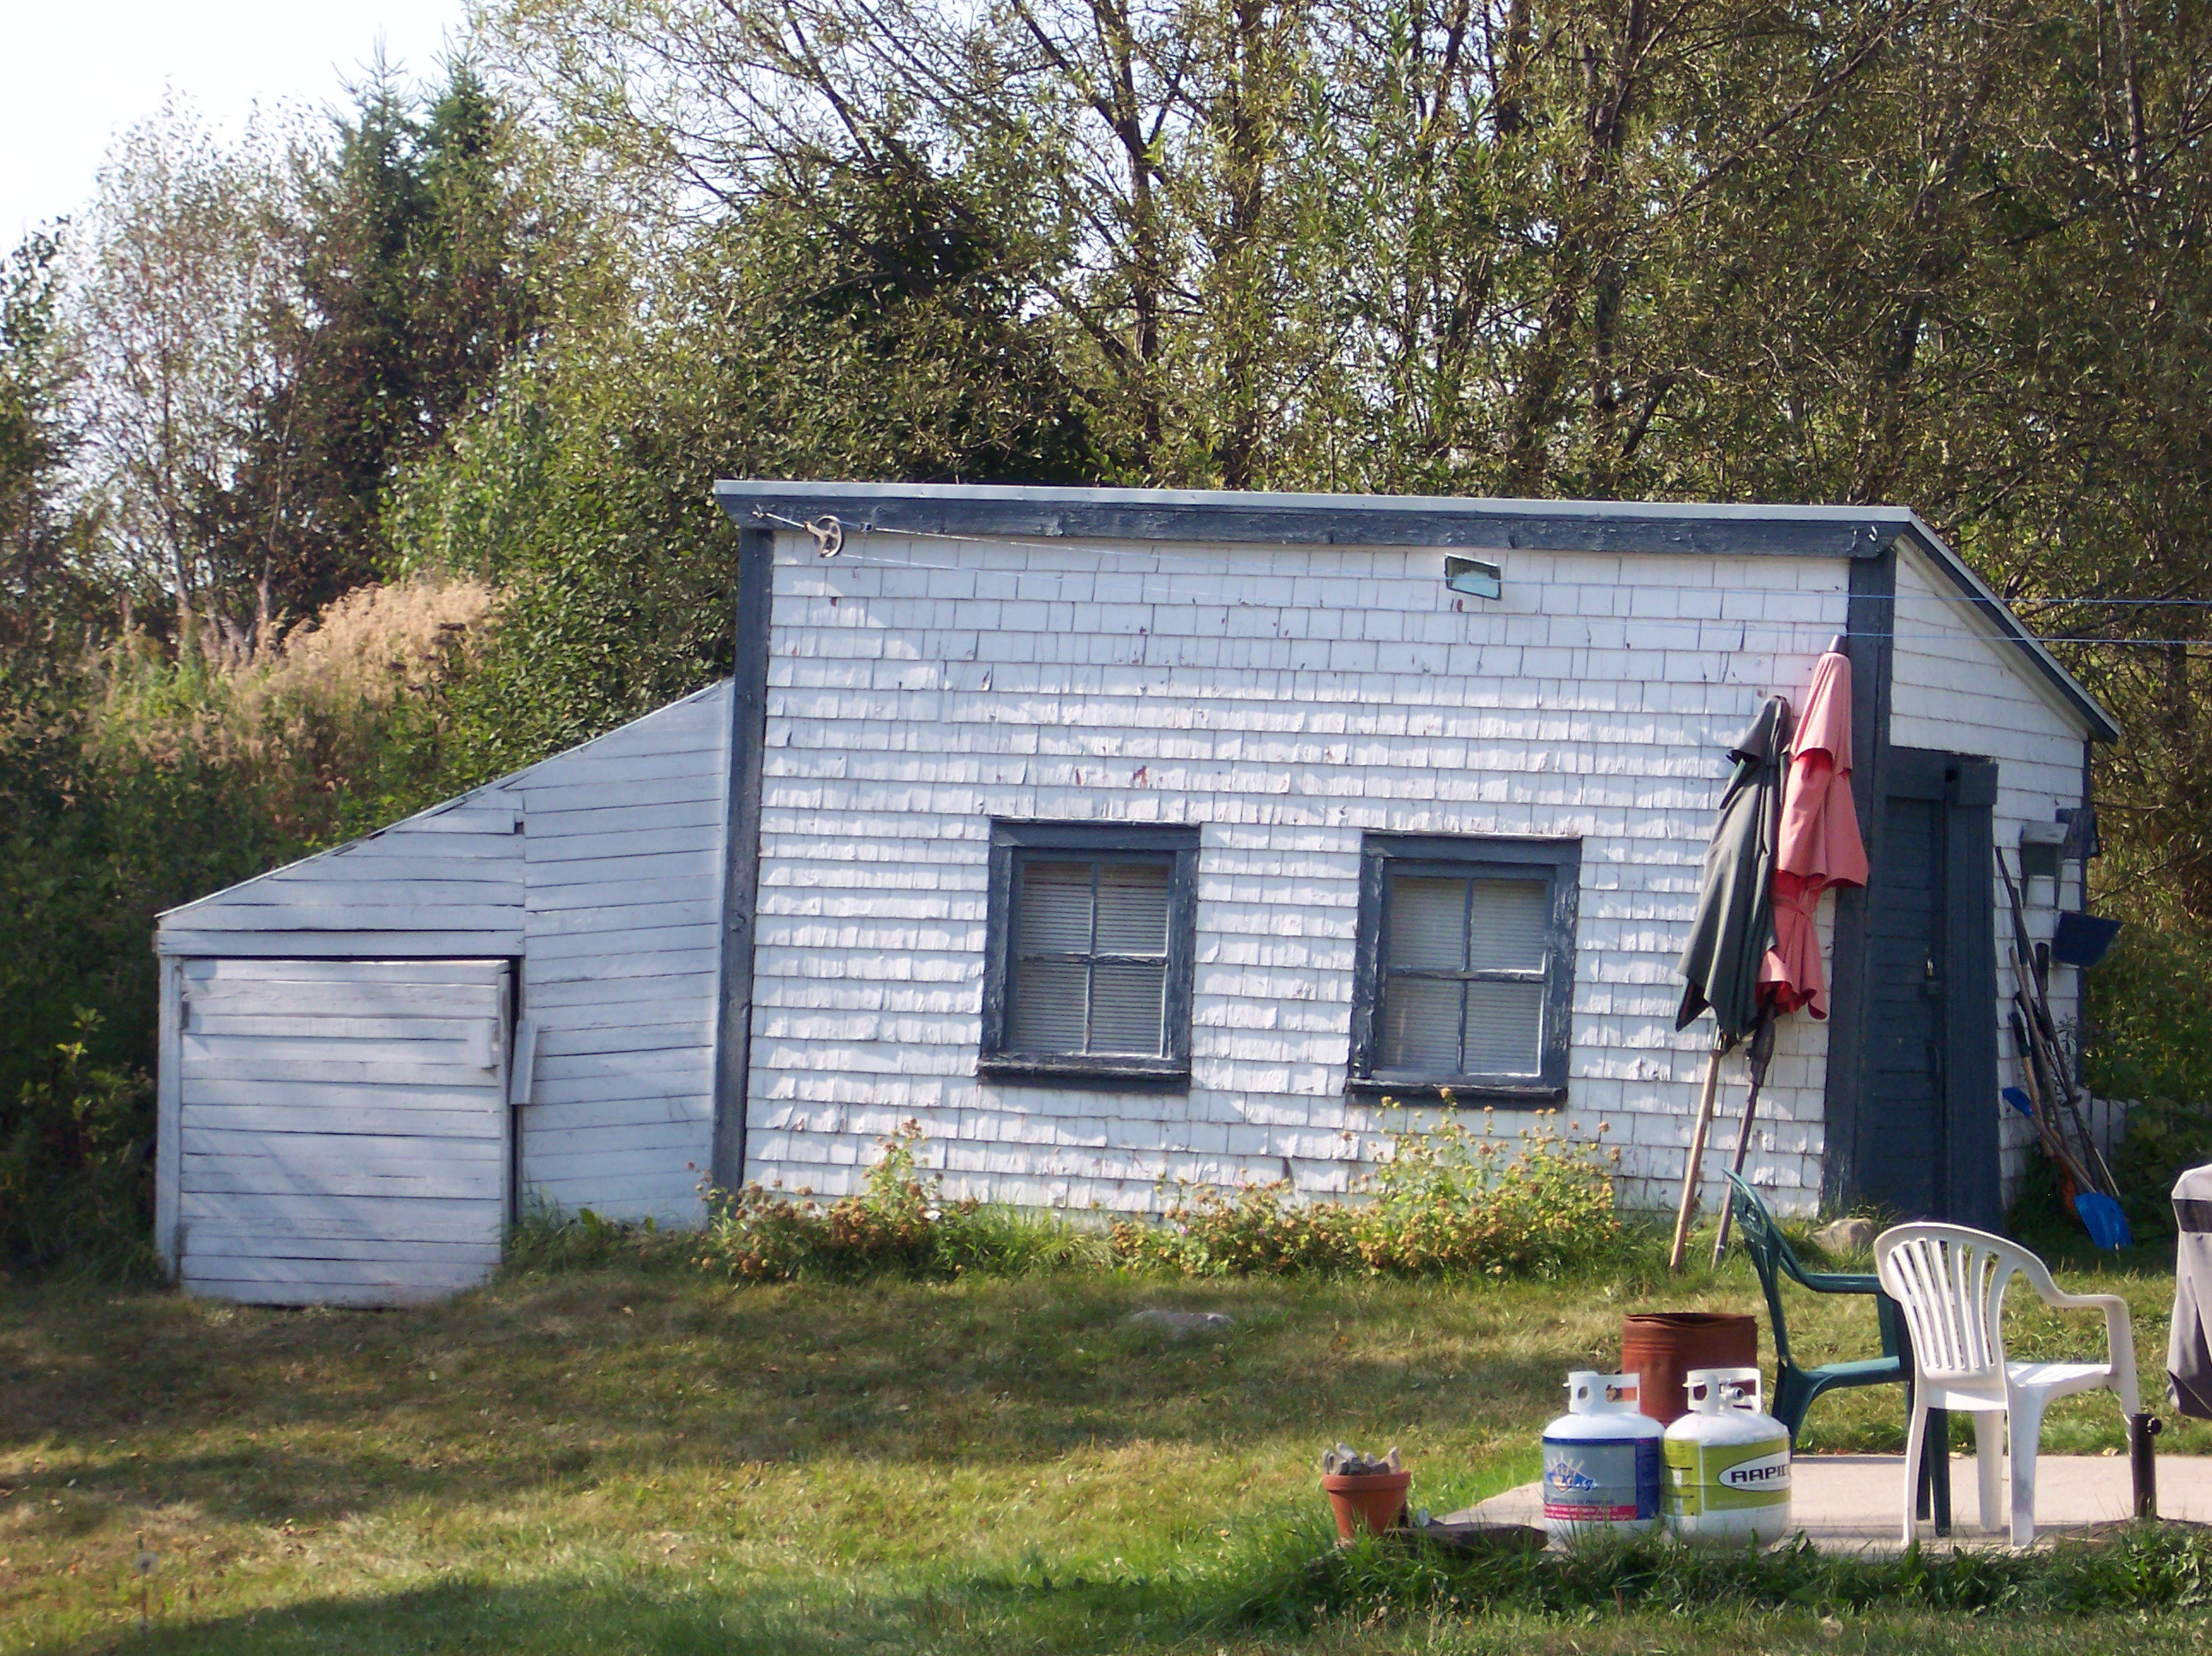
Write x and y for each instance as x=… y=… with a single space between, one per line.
x=1098 y=1074
x=1466 y=1091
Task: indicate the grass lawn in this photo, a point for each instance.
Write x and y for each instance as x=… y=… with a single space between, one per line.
x=617 y=1461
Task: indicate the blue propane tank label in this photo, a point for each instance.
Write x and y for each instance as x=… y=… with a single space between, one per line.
x=1601 y=1480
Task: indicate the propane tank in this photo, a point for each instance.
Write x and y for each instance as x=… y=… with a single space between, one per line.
x=1728 y=1464
x=1602 y=1460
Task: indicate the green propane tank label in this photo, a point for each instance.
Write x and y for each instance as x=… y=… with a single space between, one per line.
x=1726 y=1477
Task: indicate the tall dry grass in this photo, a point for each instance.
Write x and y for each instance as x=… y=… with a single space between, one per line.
x=336 y=725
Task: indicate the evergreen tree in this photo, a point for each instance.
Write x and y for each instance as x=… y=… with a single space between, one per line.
x=416 y=251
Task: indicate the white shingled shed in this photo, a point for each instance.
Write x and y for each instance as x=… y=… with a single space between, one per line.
x=1122 y=839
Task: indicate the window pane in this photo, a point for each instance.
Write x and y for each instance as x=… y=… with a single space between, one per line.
x=1048 y=999
x=1504 y=1028
x=1420 y=1026
x=1055 y=908
x=1125 y=1002
x=1132 y=908
x=1509 y=925
x=1428 y=921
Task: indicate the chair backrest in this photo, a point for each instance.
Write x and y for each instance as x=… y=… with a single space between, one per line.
x=1951 y=1282
x=1770 y=1256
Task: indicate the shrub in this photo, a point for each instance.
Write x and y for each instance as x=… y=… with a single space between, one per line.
x=1446 y=1200
x=2150 y=1020
x=1449 y=1201
x=76 y=1165
x=2164 y=1138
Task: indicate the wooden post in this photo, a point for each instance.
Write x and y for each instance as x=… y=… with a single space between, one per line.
x=1697 y=1158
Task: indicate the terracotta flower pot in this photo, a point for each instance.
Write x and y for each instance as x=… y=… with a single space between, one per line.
x=1374 y=1501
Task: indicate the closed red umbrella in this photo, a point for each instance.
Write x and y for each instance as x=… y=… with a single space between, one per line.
x=1820 y=845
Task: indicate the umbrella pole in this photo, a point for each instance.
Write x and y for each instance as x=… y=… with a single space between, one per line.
x=1742 y=1150
x=1697 y=1158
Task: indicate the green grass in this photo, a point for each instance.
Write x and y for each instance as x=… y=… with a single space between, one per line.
x=614 y=1460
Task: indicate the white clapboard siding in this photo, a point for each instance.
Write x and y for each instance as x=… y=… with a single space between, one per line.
x=334 y=1282
x=681 y=1115
x=551 y=872
x=247 y=1246
x=623 y=923
x=220 y=1216
x=342 y=1133
x=633 y=842
x=447 y=882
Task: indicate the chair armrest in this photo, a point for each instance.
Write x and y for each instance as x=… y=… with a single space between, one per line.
x=2120 y=1333
x=1840 y=1282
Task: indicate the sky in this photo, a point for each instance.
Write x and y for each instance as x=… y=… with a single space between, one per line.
x=74 y=73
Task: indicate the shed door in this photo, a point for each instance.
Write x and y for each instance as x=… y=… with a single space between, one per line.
x=1928 y=1129
x=342 y=1128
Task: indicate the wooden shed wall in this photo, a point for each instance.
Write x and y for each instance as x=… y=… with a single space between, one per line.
x=446 y=883
x=600 y=871
x=622 y=962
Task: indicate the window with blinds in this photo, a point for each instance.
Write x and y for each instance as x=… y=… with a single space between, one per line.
x=1090 y=956
x=1467 y=964
x=1091 y=946
x=1465 y=994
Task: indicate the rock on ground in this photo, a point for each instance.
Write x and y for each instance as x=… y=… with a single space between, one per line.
x=1181 y=1324
x=1848 y=1235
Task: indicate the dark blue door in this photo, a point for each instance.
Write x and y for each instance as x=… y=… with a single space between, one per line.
x=1927 y=1125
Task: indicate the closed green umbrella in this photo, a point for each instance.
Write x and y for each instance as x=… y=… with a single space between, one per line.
x=1735 y=926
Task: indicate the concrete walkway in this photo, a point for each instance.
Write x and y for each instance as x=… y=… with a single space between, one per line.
x=1855 y=1502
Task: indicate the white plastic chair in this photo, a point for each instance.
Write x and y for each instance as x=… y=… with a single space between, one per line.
x=1951 y=1283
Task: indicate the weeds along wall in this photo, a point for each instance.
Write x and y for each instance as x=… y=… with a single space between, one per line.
x=1286 y=701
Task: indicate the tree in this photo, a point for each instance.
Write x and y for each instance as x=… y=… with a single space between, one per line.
x=181 y=312
x=37 y=440
x=416 y=256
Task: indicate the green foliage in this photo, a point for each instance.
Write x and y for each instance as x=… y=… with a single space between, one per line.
x=1450 y=1200
x=2164 y=1138
x=36 y=441
x=2149 y=1021
x=98 y=833
x=418 y=253
x=2150 y=1016
x=2145 y=1570
x=76 y=1165
x=895 y=1225
x=859 y=323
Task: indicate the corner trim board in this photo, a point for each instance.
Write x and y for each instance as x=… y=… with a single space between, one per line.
x=741 y=853
x=169 y=1114
x=1871 y=603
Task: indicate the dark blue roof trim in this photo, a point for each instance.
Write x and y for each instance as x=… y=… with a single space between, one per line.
x=1145 y=514
x=1223 y=517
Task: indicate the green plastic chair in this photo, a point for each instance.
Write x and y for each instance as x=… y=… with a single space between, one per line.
x=1796 y=1385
